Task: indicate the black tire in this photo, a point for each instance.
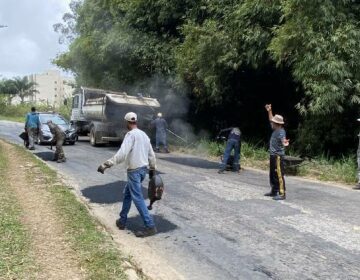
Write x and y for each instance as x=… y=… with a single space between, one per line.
x=71 y=142
x=93 y=138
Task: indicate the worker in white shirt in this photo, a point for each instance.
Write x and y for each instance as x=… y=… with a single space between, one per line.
x=137 y=153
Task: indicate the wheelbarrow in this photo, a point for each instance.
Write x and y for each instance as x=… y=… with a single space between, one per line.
x=292 y=164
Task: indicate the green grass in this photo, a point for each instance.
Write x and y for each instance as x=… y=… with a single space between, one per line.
x=13 y=119
x=15 y=262
x=97 y=252
x=342 y=170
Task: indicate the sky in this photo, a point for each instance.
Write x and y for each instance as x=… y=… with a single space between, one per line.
x=29 y=43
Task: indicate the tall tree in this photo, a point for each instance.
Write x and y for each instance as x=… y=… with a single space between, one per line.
x=223 y=50
x=24 y=87
x=7 y=87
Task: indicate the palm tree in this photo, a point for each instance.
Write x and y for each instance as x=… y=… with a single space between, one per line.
x=24 y=87
x=8 y=88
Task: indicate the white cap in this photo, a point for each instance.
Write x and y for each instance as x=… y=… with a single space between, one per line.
x=159 y=115
x=131 y=117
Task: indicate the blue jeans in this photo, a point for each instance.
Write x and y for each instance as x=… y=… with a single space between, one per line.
x=231 y=144
x=161 y=139
x=133 y=192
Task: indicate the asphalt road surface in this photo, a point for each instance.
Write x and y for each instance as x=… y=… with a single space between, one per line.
x=215 y=226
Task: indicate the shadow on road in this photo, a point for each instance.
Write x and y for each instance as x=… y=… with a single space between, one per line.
x=193 y=162
x=46 y=156
x=136 y=223
x=108 y=193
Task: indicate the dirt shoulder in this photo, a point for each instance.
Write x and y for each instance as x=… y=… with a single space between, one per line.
x=53 y=235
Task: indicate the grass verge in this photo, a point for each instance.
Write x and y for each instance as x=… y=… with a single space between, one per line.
x=342 y=170
x=15 y=261
x=12 y=118
x=95 y=249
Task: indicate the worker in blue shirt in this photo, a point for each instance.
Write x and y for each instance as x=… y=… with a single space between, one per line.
x=233 y=143
x=32 y=126
x=161 y=126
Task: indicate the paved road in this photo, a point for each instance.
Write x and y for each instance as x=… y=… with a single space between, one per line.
x=221 y=226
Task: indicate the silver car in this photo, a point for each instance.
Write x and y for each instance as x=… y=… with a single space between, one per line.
x=45 y=135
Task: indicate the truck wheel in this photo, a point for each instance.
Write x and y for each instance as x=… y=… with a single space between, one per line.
x=93 y=137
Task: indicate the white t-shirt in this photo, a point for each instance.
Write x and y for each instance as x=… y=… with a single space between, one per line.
x=136 y=151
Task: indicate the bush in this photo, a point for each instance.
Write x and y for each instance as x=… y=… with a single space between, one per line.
x=19 y=111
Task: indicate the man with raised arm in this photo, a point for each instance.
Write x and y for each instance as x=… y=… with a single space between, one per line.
x=278 y=142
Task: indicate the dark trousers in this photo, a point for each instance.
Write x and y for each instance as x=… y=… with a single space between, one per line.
x=59 y=151
x=277 y=180
x=235 y=145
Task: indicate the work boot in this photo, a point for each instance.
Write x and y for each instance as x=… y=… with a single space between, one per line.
x=32 y=148
x=236 y=168
x=167 y=151
x=357 y=187
x=157 y=150
x=221 y=171
x=146 y=232
x=60 y=160
x=120 y=225
x=279 y=197
x=271 y=194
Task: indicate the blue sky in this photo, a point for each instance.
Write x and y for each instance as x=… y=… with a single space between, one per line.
x=29 y=43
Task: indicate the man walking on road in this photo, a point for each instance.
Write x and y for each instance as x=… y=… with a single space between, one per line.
x=278 y=142
x=58 y=138
x=137 y=153
x=161 y=126
x=32 y=125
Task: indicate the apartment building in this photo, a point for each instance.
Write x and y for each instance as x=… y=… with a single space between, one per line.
x=52 y=88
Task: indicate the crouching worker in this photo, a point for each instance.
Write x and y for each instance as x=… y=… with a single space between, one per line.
x=58 y=140
x=233 y=143
x=137 y=153
x=278 y=142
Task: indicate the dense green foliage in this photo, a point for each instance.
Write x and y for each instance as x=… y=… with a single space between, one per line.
x=230 y=57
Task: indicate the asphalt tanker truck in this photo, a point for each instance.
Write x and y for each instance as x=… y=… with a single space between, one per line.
x=100 y=113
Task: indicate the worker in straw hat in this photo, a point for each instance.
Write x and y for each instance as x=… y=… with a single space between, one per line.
x=278 y=142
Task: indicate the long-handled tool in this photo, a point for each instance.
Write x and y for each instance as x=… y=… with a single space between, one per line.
x=177 y=136
x=171 y=132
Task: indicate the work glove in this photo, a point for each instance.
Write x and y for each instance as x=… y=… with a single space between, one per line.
x=152 y=173
x=102 y=168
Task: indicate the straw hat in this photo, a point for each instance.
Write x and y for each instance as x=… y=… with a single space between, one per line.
x=278 y=119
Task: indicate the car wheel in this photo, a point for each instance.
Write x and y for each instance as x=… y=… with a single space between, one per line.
x=71 y=142
x=92 y=137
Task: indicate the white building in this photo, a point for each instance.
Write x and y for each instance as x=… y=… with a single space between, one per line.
x=52 y=88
